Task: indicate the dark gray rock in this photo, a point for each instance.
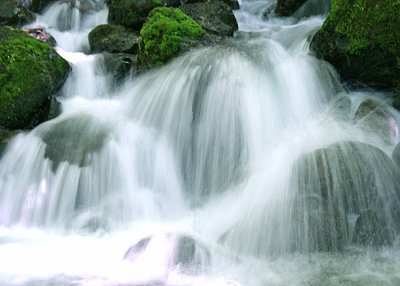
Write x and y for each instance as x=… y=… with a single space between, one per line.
x=12 y=13
x=113 y=39
x=120 y=65
x=215 y=17
x=288 y=7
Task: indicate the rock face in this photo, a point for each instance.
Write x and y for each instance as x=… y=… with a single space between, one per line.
x=120 y=65
x=12 y=13
x=362 y=40
x=166 y=32
x=39 y=5
x=214 y=17
x=132 y=13
x=288 y=7
x=31 y=72
x=113 y=39
x=345 y=189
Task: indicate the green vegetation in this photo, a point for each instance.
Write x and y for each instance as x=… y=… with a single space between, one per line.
x=163 y=32
x=30 y=72
x=367 y=23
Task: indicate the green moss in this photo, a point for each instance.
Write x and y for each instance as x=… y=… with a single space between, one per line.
x=161 y=35
x=367 y=23
x=29 y=71
x=157 y=2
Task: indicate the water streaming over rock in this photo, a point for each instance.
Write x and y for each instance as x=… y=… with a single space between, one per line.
x=246 y=163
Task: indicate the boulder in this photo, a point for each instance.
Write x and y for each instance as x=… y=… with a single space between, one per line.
x=13 y=13
x=31 y=73
x=74 y=139
x=167 y=32
x=234 y=4
x=214 y=17
x=288 y=7
x=362 y=41
x=132 y=13
x=41 y=35
x=173 y=250
x=375 y=118
x=38 y=6
x=113 y=39
x=336 y=182
x=120 y=65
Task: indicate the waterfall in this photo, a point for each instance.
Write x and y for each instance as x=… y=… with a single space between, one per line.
x=245 y=163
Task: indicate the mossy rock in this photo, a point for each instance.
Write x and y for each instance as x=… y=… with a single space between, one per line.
x=215 y=17
x=31 y=72
x=38 y=6
x=120 y=66
x=362 y=40
x=113 y=39
x=132 y=13
x=13 y=13
x=165 y=33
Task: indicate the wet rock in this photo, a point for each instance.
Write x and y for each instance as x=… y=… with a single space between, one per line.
x=31 y=73
x=13 y=13
x=39 y=5
x=184 y=251
x=113 y=39
x=73 y=139
x=373 y=117
x=288 y=7
x=120 y=66
x=41 y=35
x=337 y=181
x=362 y=41
x=372 y=229
x=132 y=13
x=214 y=17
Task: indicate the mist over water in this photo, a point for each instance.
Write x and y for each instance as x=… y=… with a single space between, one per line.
x=245 y=163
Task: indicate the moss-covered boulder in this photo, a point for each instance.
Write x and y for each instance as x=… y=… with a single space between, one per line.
x=166 y=32
x=288 y=7
x=362 y=40
x=215 y=17
x=113 y=39
x=132 y=13
x=31 y=72
x=13 y=13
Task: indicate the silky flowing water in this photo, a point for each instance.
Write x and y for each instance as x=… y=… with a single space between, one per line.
x=202 y=172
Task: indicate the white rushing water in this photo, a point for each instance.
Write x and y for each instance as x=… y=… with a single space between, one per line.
x=205 y=171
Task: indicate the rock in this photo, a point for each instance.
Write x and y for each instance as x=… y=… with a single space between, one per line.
x=234 y=4
x=167 y=32
x=337 y=181
x=173 y=250
x=5 y=136
x=214 y=17
x=31 y=72
x=113 y=39
x=373 y=117
x=41 y=35
x=362 y=41
x=288 y=7
x=13 y=13
x=371 y=229
x=120 y=65
x=132 y=13
x=38 y=6
x=73 y=139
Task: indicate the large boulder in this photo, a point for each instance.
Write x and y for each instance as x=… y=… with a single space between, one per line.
x=132 y=13
x=39 y=5
x=113 y=39
x=362 y=40
x=13 y=13
x=214 y=17
x=288 y=7
x=343 y=187
x=31 y=72
x=167 y=31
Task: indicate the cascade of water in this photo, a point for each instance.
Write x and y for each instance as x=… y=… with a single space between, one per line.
x=223 y=167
